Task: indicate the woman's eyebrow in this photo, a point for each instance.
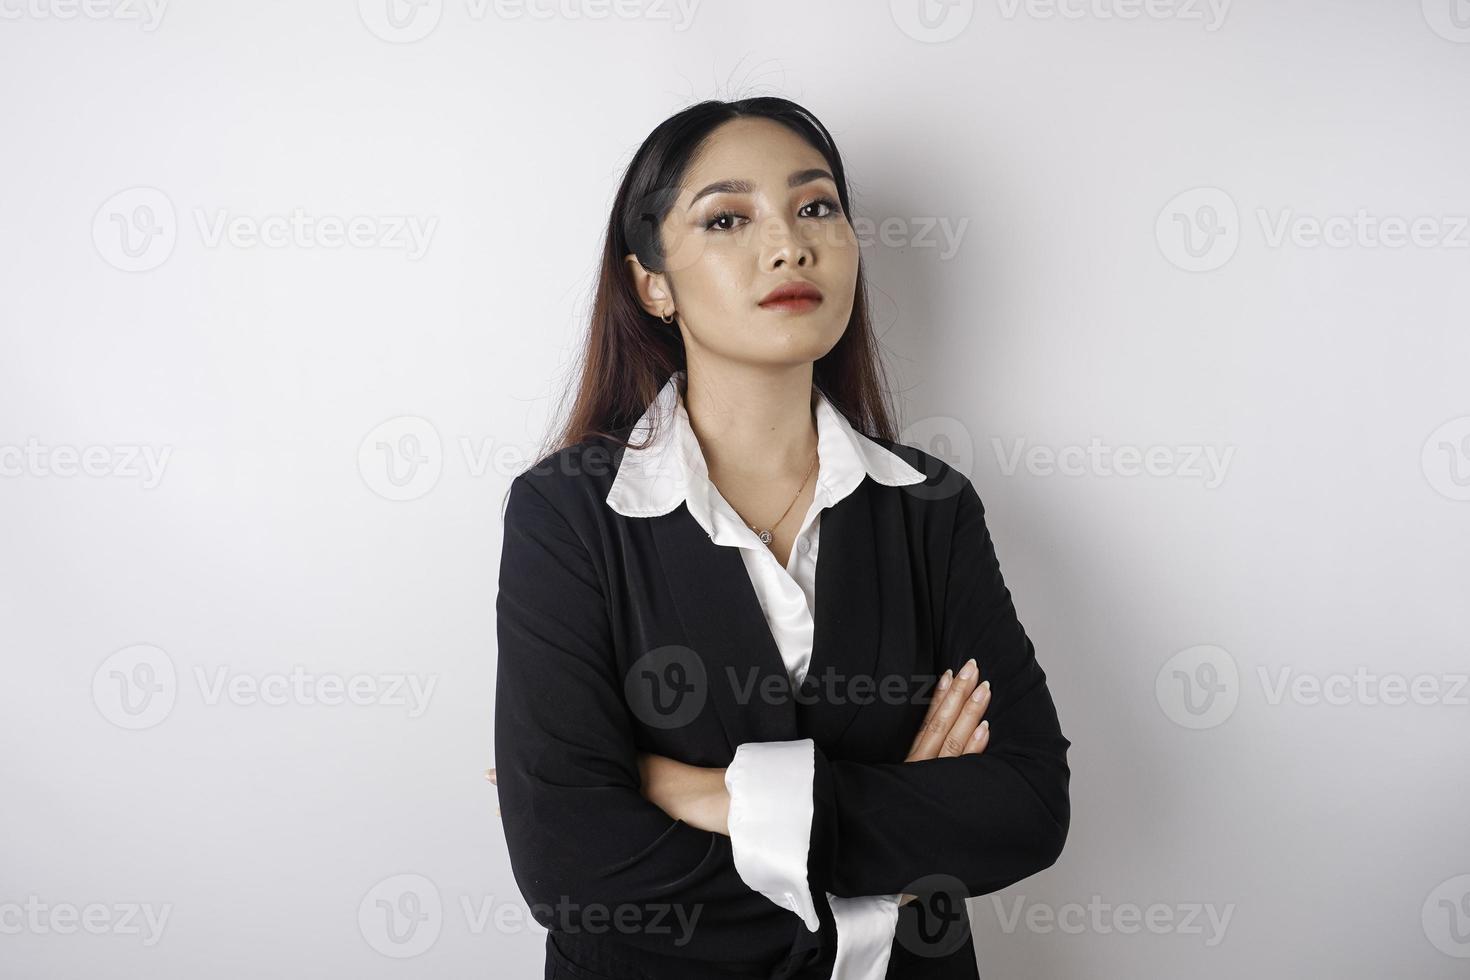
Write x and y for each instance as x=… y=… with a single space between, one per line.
x=738 y=186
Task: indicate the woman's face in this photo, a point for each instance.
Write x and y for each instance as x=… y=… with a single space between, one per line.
x=729 y=246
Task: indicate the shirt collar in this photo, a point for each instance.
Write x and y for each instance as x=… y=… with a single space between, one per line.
x=671 y=470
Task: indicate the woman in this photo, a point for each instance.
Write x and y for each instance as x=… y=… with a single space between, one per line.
x=717 y=753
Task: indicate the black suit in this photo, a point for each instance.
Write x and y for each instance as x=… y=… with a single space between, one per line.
x=907 y=585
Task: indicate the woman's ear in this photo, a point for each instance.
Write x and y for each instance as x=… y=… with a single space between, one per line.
x=653 y=292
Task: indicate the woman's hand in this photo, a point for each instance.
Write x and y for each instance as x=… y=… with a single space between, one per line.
x=694 y=794
x=953 y=726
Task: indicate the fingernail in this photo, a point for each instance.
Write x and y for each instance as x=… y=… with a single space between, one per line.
x=968 y=670
x=979 y=693
x=490 y=775
x=944 y=680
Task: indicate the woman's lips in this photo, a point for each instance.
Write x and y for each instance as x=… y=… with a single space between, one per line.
x=793 y=296
x=792 y=304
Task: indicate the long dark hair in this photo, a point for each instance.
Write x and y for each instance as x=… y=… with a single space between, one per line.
x=630 y=354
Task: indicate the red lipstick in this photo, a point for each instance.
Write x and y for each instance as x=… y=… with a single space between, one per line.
x=795 y=296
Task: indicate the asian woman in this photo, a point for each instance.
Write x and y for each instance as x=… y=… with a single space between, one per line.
x=764 y=706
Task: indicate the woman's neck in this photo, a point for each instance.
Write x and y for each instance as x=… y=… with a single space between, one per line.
x=753 y=424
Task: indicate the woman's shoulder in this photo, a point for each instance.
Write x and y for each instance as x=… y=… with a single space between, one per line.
x=576 y=478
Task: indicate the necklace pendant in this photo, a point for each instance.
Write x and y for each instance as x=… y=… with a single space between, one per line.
x=765 y=536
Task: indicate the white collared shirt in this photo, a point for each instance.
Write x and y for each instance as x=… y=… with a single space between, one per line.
x=769 y=836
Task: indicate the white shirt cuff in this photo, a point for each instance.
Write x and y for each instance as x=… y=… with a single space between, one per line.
x=771 y=806
x=865 y=928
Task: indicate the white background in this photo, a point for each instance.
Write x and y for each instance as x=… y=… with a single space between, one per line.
x=1331 y=377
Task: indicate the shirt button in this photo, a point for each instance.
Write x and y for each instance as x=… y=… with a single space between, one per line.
x=803 y=545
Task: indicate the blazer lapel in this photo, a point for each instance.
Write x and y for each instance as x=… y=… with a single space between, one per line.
x=848 y=614
x=722 y=618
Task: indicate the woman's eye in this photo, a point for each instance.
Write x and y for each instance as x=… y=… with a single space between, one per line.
x=827 y=202
x=716 y=219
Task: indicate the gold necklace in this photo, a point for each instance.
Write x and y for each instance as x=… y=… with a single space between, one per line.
x=765 y=533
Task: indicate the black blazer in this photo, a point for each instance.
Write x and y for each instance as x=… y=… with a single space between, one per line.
x=619 y=635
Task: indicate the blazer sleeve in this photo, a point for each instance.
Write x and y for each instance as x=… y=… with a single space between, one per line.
x=988 y=820
x=587 y=850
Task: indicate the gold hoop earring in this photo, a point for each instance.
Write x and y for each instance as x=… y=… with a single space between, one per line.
x=667 y=317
